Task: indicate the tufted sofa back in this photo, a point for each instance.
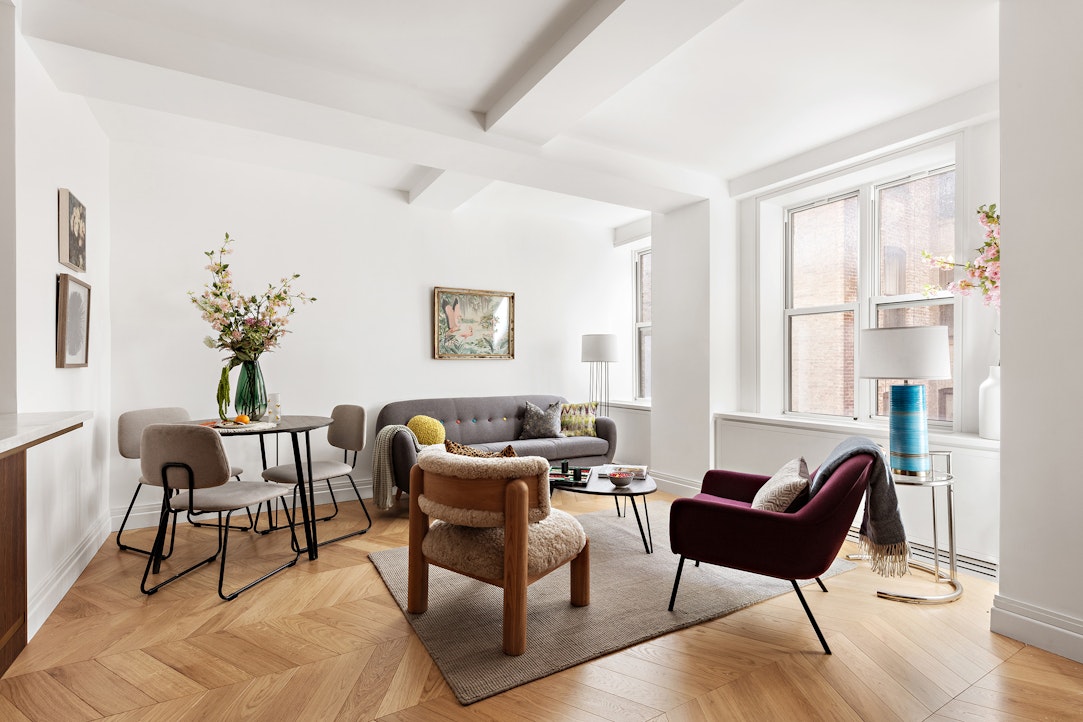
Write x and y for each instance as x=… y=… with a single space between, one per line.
x=470 y=419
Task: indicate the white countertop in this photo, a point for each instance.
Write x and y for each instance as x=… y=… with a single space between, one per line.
x=21 y=429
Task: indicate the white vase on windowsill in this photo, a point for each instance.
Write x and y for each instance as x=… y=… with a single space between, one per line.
x=989 y=405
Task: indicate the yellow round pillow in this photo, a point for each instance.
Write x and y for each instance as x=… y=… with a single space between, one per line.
x=427 y=430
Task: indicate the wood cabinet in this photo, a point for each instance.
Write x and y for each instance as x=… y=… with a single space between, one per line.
x=19 y=432
x=12 y=556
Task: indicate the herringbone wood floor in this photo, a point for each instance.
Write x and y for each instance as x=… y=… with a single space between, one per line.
x=325 y=641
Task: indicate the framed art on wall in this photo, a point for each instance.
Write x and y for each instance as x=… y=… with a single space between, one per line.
x=72 y=321
x=469 y=324
x=71 y=231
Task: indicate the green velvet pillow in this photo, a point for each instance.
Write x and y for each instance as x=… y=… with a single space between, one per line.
x=538 y=424
x=579 y=419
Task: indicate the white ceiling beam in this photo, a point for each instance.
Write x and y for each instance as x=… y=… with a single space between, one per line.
x=461 y=146
x=445 y=190
x=612 y=44
x=73 y=41
x=632 y=232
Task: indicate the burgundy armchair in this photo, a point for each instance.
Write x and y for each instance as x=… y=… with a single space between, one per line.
x=719 y=526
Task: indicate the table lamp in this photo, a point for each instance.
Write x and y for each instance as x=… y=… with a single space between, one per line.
x=600 y=349
x=910 y=353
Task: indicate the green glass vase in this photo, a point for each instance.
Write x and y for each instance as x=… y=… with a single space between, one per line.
x=251 y=398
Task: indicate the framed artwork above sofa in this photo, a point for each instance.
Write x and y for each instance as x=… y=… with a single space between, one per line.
x=471 y=324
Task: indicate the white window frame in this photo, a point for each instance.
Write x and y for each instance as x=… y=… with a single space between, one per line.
x=638 y=323
x=869 y=301
x=790 y=312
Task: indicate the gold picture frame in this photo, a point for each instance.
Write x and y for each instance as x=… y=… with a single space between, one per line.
x=473 y=324
x=72 y=322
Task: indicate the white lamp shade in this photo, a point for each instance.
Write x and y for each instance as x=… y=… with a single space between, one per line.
x=911 y=352
x=600 y=347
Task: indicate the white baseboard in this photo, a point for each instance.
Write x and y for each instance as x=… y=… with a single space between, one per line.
x=1051 y=631
x=146 y=514
x=41 y=602
x=676 y=485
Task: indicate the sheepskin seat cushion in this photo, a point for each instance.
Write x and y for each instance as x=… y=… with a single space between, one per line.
x=480 y=552
x=436 y=460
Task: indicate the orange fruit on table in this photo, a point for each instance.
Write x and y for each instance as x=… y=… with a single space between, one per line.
x=242 y=419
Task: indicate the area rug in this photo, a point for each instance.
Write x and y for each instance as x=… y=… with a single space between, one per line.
x=629 y=594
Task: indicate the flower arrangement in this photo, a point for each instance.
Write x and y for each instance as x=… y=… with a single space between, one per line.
x=246 y=326
x=982 y=273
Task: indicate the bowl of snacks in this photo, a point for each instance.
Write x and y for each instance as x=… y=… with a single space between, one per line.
x=620 y=478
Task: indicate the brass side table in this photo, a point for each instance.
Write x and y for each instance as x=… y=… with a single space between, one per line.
x=939 y=480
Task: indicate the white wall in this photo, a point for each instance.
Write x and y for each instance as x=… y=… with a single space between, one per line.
x=680 y=353
x=634 y=434
x=8 y=369
x=1041 y=70
x=60 y=145
x=372 y=262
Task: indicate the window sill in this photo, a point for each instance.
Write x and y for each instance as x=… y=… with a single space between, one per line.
x=959 y=440
x=639 y=405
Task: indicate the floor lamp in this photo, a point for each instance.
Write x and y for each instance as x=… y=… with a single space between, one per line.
x=599 y=350
x=910 y=353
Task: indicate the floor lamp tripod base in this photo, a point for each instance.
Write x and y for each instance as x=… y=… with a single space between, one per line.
x=599 y=386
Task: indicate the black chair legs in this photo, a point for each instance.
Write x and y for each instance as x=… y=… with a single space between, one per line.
x=274 y=526
x=360 y=501
x=676 y=582
x=796 y=588
x=225 y=545
x=124 y=523
x=808 y=612
x=154 y=560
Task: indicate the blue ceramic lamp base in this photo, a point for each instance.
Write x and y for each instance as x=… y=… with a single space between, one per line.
x=908 y=427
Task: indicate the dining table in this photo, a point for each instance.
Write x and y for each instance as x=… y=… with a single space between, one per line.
x=296 y=426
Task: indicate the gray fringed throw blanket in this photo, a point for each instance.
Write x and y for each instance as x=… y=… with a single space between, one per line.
x=383 y=466
x=883 y=538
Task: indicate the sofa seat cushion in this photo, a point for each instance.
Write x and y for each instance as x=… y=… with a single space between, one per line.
x=480 y=552
x=568 y=447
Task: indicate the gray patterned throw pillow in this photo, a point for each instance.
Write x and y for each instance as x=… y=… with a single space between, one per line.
x=538 y=424
x=784 y=487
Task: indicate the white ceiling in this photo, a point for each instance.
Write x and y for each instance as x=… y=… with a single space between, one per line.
x=598 y=110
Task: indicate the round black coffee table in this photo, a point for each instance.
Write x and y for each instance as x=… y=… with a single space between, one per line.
x=600 y=486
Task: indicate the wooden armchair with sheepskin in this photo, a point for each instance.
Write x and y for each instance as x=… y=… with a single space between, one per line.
x=492 y=522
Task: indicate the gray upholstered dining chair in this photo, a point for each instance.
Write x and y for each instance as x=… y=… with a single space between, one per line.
x=347 y=432
x=191 y=466
x=130 y=427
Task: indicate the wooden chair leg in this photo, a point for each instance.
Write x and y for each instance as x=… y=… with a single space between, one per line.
x=515 y=568
x=417 y=582
x=581 y=577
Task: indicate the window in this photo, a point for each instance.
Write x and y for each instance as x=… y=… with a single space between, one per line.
x=853 y=261
x=822 y=306
x=915 y=215
x=642 y=265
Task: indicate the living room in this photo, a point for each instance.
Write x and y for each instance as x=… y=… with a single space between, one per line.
x=168 y=152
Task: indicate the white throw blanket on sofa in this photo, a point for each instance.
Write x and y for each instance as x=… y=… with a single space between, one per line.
x=383 y=466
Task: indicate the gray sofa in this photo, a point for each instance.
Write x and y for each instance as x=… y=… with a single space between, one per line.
x=491 y=423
